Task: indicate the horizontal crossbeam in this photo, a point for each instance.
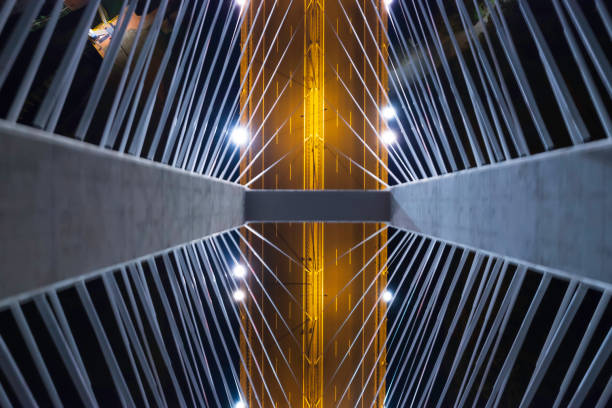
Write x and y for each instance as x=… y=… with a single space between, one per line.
x=316 y=205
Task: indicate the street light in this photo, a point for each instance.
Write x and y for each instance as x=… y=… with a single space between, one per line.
x=387 y=296
x=239 y=271
x=240 y=404
x=388 y=137
x=239 y=295
x=239 y=135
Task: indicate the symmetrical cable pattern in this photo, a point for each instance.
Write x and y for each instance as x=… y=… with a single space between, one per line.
x=159 y=81
x=222 y=320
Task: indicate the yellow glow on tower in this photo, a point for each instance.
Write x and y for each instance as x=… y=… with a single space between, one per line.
x=299 y=50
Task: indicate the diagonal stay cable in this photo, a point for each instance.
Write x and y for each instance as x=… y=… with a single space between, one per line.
x=219 y=142
x=369 y=237
x=266 y=293
x=406 y=240
x=189 y=126
x=300 y=264
x=198 y=165
x=200 y=259
x=226 y=283
x=366 y=88
x=260 y=129
x=206 y=250
x=334 y=149
x=212 y=166
x=252 y=160
x=424 y=150
x=263 y=318
x=178 y=79
x=362 y=140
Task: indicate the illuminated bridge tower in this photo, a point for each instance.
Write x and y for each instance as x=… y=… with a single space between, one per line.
x=155 y=252
x=314 y=77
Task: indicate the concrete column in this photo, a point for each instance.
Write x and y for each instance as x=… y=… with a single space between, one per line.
x=553 y=209
x=67 y=208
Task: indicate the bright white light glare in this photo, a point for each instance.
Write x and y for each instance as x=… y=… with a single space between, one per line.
x=239 y=135
x=239 y=295
x=388 y=112
x=240 y=404
x=388 y=3
x=388 y=136
x=387 y=296
x=239 y=271
x=240 y=3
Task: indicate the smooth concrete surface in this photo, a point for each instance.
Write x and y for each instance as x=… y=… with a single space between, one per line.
x=553 y=209
x=68 y=208
x=316 y=205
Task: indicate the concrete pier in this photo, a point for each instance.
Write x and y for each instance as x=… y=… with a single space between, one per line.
x=68 y=208
x=552 y=209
